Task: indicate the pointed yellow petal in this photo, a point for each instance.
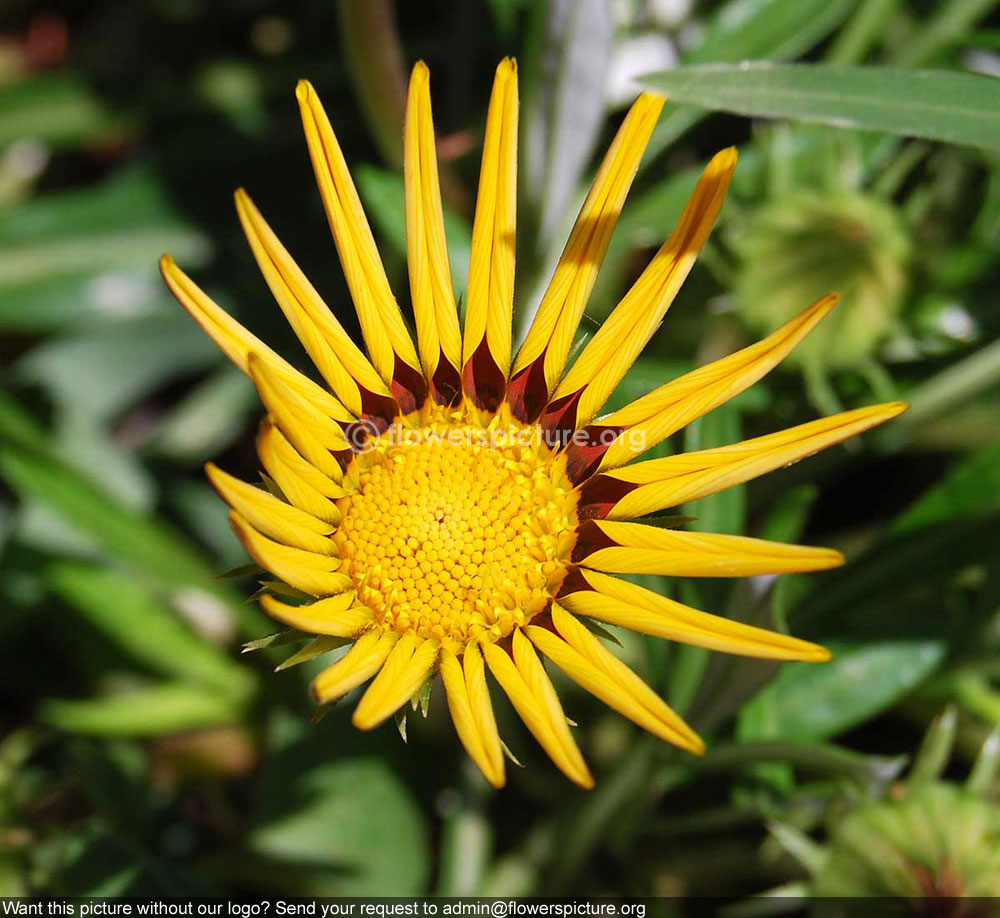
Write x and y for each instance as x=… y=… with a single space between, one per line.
x=434 y=309
x=538 y=707
x=334 y=616
x=640 y=549
x=337 y=357
x=624 y=334
x=315 y=435
x=688 y=476
x=490 y=297
x=382 y=323
x=619 y=602
x=360 y=663
x=544 y=693
x=654 y=417
x=275 y=518
x=592 y=666
x=303 y=485
x=466 y=725
x=405 y=670
x=555 y=324
x=482 y=708
x=238 y=344
x=305 y=570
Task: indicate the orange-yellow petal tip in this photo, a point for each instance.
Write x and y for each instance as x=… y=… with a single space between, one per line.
x=303 y=91
x=420 y=71
x=819 y=654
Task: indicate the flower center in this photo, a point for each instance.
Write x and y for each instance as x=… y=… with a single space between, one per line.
x=456 y=530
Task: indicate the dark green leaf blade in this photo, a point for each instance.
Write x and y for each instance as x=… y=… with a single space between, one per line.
x=959 y=108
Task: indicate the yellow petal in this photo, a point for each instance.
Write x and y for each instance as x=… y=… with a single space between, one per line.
x=434 y=308
x=538 y=707
x=382 y=323
x=555 y=324
x=641 y=549
x=238 y=344
x=654 y=417
x=466 y=723
x=677 y=479
x=302 y=484
x=482 y=707
x=405 y=670
x=334 y=616
x=620 y=340
x=619 y=602
x=314 y=435
x=490 y=297
x=305 y=570
x=360 y=663
x=336 y=356
x=592 y=666
x=273 y=517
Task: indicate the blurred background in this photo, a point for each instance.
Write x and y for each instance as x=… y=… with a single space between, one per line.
x=142 y=753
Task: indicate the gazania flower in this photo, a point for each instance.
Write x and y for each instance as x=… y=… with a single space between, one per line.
x=448 y=508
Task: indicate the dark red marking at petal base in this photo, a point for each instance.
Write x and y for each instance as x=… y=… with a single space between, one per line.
x=587 y=448
x=483 y=380
x=590 y=538
x=446 y=384
x=408 y=387
x=559 y=417
x=575 y=582
x=599 y=496
x=527 y=392
x=377 y=409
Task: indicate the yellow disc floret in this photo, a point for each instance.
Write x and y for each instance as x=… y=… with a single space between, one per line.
x=456 y=530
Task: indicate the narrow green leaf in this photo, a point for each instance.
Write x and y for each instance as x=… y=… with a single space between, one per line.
x=132 y=619
x=773 y=30
x=385 y=201
x=155 y=711
x=972 y=488
x=378 y=846
x=958 y=108
x=809 y=701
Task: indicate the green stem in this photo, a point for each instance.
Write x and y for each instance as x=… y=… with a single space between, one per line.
x=370 y=42
x=952 y=387
x=944 y=29
x=862 y=32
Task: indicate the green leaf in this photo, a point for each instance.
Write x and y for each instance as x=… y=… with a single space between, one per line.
x=957 y=108
x=138 y=540
x=154 y=711
x=145 y=542
x=726 y=511
x=122 y=362
x=209 y=419
x=351 y=821
x=863 y=597
x=133 y=620
x=59 y=109
x=776 y=29
x=972 y=488
x=564 y=112
x=385 y=201
x=809 y=701
x=753 y=30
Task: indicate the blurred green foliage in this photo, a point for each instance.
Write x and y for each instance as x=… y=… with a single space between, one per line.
x=143 y=754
